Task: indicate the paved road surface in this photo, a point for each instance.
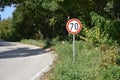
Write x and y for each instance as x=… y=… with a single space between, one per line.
x=23 y=62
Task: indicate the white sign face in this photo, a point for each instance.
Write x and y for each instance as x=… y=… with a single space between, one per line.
x=73 y=26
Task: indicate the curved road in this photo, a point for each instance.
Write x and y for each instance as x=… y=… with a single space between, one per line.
x=23 y=62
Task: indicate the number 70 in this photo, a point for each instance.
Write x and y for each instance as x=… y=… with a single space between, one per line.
x=74 y=25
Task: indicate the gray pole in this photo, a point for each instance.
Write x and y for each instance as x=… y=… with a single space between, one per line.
x=73 y=48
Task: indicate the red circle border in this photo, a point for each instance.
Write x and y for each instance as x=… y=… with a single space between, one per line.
x=70 y=30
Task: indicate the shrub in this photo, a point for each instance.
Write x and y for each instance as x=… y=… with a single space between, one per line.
x=95 y=36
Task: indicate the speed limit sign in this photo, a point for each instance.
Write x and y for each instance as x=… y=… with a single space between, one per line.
x=73 y=26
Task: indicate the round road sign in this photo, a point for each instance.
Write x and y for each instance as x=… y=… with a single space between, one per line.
x=73 y=26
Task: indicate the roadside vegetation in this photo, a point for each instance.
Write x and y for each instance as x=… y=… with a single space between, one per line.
x=92 y=62
x=42 y=23
x=39 y=43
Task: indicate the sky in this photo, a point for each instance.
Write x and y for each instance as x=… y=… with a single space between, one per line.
x=7 y=12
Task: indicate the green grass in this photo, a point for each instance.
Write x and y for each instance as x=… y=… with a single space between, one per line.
x=34 y=42
x=41 y=43
x=92 y=63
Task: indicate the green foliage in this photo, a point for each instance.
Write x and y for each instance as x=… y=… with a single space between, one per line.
x=111 y=73
x=91 y=63
x=97 y=20
x=4 y=3
x=95 y=36
x=39 y=19
x=32 y=19
x=102 y=30
x=115 y=29
x=6 y=31
x=50 y=4
x=47 y=43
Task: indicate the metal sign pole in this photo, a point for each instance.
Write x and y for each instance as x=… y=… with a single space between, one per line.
x=73 y=26
x=74 y=48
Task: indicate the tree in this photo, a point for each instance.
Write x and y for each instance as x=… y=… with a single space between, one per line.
x=4 y=3
x=47 y=18
x=5 y=29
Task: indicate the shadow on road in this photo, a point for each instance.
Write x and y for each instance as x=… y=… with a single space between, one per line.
x=3 y=43
x=19 y=52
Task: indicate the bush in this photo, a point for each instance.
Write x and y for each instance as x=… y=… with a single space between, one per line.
x=95 y=36
x=102 y=30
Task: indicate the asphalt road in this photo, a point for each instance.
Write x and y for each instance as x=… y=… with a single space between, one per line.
x=23 y=62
